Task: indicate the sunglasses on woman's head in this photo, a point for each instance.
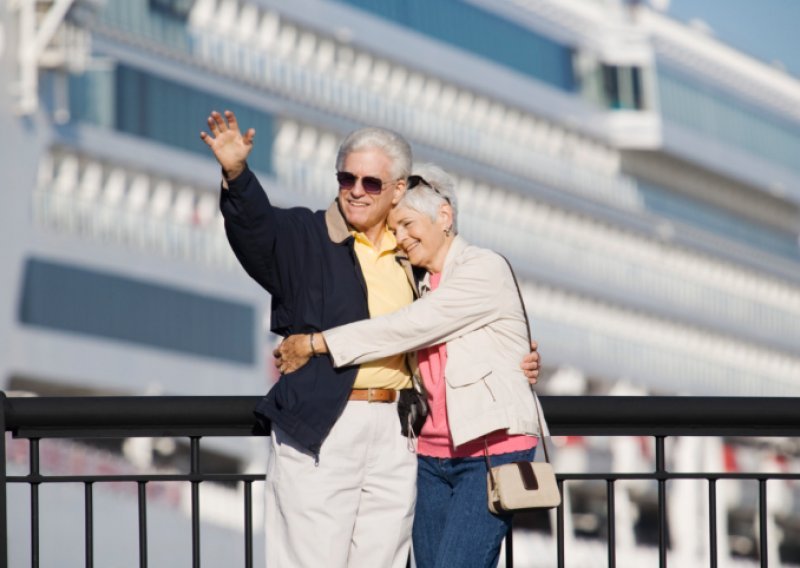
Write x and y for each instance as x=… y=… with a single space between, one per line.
x=415 y=181
x=370 y=184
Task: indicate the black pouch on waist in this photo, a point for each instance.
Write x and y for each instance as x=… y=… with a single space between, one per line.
x=413 y=411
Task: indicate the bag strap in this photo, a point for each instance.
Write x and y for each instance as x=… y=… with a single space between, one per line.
x=488 y=462
x=530 y=340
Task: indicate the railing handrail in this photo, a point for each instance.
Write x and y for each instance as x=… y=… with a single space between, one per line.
x=82 y=416
x=130 y=416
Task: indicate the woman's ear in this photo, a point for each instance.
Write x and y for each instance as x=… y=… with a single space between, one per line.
x=445 y=216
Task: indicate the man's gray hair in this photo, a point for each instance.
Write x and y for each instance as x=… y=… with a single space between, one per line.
x=391 y=143
x=427 y=196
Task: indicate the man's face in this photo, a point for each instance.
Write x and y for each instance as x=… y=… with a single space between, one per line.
x=363 y=210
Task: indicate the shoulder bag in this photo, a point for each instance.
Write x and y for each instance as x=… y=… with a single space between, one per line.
x=519 y=486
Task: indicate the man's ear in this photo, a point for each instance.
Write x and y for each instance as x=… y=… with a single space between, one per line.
x=399 y=191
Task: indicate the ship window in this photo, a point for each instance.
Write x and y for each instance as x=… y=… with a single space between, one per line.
x=720 y=115
x=77 y=300
x=475 y=30
x=622 y=87
x=138 y=103
x=178 y=9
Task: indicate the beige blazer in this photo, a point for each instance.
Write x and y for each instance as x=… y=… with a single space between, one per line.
x=475 y=310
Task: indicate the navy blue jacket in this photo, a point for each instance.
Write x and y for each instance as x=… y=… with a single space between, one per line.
x=305 y=259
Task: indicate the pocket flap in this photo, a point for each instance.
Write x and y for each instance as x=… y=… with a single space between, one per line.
x=466 y=373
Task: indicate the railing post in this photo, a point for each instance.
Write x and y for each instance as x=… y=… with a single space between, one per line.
x=560 y=526
x=34 y=472
x=88 y=505
x=248 y=524
x=762 y=521
x=661 y=468
x=142 y=500
x=712 y=521
x=3 y=479
x=195 y=470
x=612 y=523
x=510 y=547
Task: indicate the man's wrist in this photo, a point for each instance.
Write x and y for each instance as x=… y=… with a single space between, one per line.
x=234 y=173
x=317 y=344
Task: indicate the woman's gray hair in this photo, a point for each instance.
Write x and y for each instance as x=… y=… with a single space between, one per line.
x=391 y=143
x=434 y=187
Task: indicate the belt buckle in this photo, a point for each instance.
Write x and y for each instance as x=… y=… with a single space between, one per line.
x=371 y=395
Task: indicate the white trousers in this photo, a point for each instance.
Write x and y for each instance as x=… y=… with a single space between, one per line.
x=351 y=508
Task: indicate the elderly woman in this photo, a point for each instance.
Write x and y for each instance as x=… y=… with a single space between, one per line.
x=470 y=331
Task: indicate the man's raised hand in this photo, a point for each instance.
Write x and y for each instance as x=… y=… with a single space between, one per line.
x=229 y=145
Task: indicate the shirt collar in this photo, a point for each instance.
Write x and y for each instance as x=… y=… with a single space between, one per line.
x=388 y=240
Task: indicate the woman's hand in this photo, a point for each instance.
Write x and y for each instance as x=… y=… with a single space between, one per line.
x=292 y=353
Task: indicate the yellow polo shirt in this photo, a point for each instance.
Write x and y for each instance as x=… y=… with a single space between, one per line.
x=388 y=289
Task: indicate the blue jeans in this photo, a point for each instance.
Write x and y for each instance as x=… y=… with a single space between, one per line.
x=452 y=522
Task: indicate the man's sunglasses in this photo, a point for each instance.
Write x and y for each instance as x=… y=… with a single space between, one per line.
x=415 y=181
x=370 y=184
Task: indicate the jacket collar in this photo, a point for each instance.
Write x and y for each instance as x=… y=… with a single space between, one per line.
x=456 y=247
x=339 y=232
x=409 y=270
x=338 y=229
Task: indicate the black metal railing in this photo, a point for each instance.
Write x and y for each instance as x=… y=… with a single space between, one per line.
x=35 y=419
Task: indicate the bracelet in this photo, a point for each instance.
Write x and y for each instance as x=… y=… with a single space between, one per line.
x=311 y=343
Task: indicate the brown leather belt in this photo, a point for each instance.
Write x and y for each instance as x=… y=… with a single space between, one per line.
x=374 y=395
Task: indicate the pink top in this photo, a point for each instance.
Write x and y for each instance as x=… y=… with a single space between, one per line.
x=434 y=439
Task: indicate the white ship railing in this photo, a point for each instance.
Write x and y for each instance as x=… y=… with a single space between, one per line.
x=713 y=327
x=256 y=46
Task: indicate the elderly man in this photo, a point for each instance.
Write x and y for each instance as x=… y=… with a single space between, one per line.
x=341 y=479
